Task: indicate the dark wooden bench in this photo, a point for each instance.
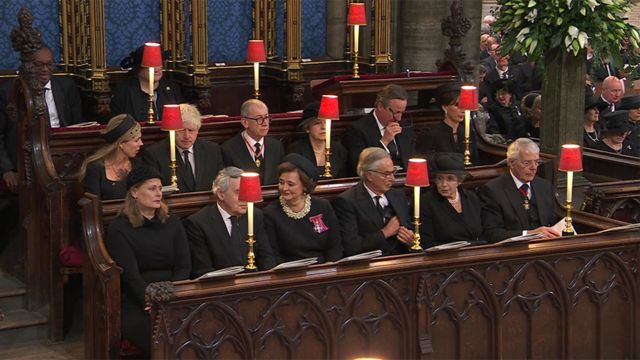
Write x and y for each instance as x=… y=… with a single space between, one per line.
x=618 y=200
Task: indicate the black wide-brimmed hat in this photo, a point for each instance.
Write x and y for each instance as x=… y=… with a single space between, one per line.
x=503 y=84
x=594 y=102
x=616 y=122
x=448 y=163
x=303 y=164
x=140 y=174
x=309 y=114
x=444 y=89
x=629 y=102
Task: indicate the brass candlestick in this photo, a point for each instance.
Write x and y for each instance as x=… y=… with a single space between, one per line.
x=174 y=175
x=327 y=164
x=467 y=151
x=568 y=229
x=356 y=38
x=151 y=117
x=251 y=256
x=416 y=235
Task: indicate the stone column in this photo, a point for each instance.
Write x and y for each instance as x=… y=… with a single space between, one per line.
x=336 y=28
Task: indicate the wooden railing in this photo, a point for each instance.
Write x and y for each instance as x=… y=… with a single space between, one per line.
x=618 y=200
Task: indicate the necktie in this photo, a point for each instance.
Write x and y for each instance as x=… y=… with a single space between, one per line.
x=258 y=155
x=234 y=226
x=379 y=206
x=612 y=107
x=393 y=151
x=524 y=190
x=189 y=177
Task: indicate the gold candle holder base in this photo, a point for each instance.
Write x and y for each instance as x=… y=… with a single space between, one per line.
x=151 y=118
x=568 y=229
x=467 y=151
x=256 y=93
x=174 y=177
x=356 y=75
x=416 y=235
x=327 y=164
x=251 y=257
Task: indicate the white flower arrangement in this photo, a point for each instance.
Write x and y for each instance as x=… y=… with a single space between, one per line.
x=533 y=27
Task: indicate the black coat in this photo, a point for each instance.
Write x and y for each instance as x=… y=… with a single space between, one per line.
x=514 y=74
x=128 y=98
x=440 y=139
x=627 y=148
x=365 y=133
x=213 y=248
x=507 y=121
x=236 y=154
x=442 y=224
x=361 y=225
x=67 y=99
x=95 y=181
x=503 y=213
x=338 y=156
x=207 y=157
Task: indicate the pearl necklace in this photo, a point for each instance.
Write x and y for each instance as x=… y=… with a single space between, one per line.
x=455 y=199
x=296 y=215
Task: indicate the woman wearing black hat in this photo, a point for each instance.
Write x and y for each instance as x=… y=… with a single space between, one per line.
x=448 y=212
x=448 y=135
x=300 y=225
x=149 y=245
x=615 y=132
x=312 y=146
x=532 y=108
x=132 y=95
x=506 y=118
x=104 y=172
x=591 y=133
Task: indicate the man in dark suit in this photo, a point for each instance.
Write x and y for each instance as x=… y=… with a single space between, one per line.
x=518 y=202
x=611 y=94
x=505 y=71
x=372 y=215
x=252 y=149
x=198 y=161
x=60 y=93
x=218 y=232
x=132 y=96
x=381 y=128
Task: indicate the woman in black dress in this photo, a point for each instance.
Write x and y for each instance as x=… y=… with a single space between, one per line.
x=149 y=245
x=448 y=212
x=104 y=172
x=614 y=133
x=591 y=133
x=300 y=225
x=312 y=146
x=448 y=135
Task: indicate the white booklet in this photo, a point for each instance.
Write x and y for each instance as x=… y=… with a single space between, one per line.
x=362 y=256
x=297 y=263
x=230 y=271
x=520 y=239
x=449 y=246
x=84 y=124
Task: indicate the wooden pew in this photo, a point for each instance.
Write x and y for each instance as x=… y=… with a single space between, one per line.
x=101 y=274
x=618 y=200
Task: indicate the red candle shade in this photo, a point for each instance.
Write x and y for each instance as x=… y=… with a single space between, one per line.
x=417 y=173
x=171 y=118
x=570 y=158
x=152 y=55
x=255 y=51
x=250 y=187
x=468 y=98
x=329 y=108
x=356 y=14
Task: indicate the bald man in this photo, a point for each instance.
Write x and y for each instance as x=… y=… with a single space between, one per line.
x=611 y=93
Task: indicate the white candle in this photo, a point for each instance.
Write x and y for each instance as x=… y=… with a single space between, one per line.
x=172 y=144
x=250 y=218
x=327 y=129
x=416 y=201
x=467 y=123
x=356 y=33
x=256 y=76
x=151 y=75
x=569 y=185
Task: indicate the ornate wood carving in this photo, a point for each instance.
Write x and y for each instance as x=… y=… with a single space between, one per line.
x=264 y=20
x=455 y=27
x=381 y=35
x=292 y=61
x=172 y=23
x=199 y=50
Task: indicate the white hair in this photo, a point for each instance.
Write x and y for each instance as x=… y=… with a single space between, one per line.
x=514 y=149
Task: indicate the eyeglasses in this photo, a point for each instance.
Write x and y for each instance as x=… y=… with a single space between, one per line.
x=385 y=174
x=260 y=119
x=40 y=65
x=528 y=163
x=395 y=113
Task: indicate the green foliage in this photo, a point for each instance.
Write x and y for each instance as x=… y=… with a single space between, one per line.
x=532 y=27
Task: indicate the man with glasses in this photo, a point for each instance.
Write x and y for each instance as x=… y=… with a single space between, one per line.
x=252 y=149
x=381 y=128
x=518 y=202
x=373 y=215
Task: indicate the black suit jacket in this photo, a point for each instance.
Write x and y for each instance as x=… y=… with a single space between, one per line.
x=207 y=156
x=361 y=224
x=67 y=99
x=129 y=99
x=440 y=139
x=236 y=154
x=213 y=248
x=365 y=133
x=338 y=156
x=513 y=73
x=503 y=214
x=442 y=224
